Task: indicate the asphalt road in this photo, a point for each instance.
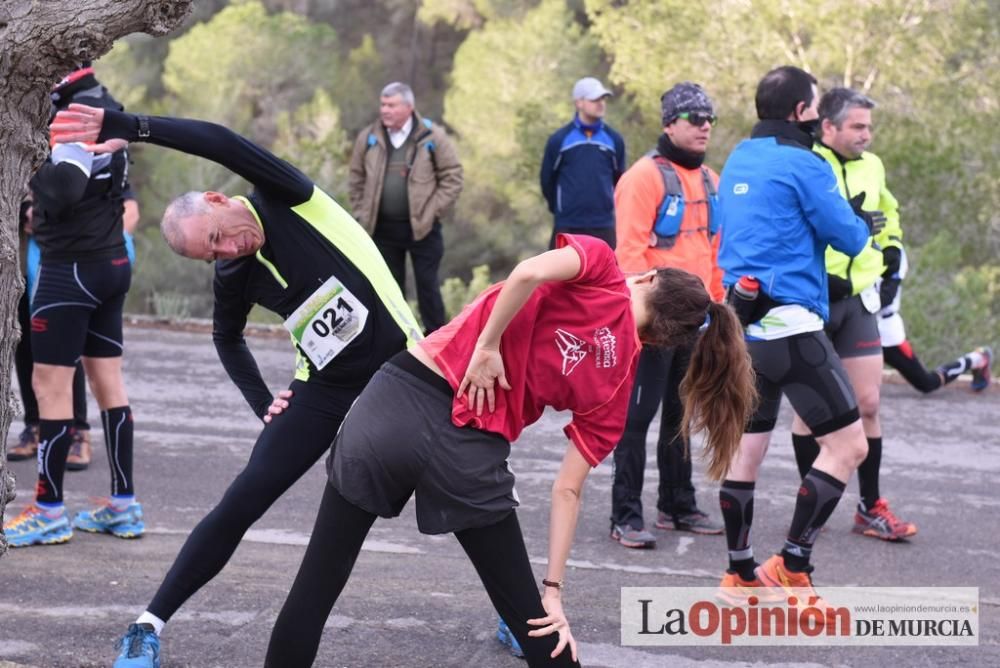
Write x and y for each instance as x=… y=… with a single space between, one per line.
x=414 y=600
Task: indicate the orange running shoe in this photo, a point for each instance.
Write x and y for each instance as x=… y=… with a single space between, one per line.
x=736 y=592
x=880 y=522
x=788 y=583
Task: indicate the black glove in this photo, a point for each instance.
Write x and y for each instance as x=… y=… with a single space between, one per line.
x=892 y=258
x=875 y=220
x=887 y=293
x=839 y=288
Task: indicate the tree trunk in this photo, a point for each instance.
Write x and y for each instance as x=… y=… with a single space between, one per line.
x=40 y=42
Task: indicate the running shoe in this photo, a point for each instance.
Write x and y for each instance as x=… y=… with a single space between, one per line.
x=505 y=637
x=140 y=648
x=27 y=445
x=981 y=377
x=695 y=522
x=639 y=539
x=736 y=592
x=105 y=519
x=79 y=451
x=797 y=590
x=880 y=522
x=788 y=583
x=34 y=527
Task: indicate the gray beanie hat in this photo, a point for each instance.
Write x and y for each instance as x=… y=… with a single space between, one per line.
x=684 y=97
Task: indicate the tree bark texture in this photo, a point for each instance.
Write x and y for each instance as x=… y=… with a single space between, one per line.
x=40 y=42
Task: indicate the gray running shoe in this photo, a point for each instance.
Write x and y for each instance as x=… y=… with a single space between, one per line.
x=695 y=522
x=639 y=539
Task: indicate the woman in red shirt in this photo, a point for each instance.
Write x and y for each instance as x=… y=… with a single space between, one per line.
x=564 y=330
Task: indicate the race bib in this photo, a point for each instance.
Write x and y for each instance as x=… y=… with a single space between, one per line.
x=327 y=322
x=871 y=299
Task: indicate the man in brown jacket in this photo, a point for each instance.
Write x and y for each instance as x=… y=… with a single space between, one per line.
x=405 y=176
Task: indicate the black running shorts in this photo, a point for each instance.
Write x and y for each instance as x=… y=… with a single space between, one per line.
x=77 y=310
x=853 y=329
x=398 y=439
x=805 y=369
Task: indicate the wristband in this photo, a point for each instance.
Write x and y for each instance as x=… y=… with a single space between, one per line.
x=554 y=585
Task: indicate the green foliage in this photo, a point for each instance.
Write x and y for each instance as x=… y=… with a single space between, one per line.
x=312 y=139
x=948 y=308
x=511 y=89
x=456 y=293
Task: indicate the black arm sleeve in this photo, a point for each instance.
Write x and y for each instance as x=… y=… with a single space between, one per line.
x=228 y=321
x=268 y=173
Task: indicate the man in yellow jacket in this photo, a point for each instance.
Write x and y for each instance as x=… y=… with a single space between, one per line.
x=855 y=299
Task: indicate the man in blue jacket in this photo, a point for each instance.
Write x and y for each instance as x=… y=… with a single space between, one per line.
x=780 y=206
x=582 y=163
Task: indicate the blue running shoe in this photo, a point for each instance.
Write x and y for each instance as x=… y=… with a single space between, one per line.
x=981 y=376
x=140 y=648
x=507 y=639
x=34 y=527
x=105 y=519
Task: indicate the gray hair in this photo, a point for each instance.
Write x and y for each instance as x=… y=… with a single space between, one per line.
x=401 y=89
x=187 y=205
x=837 y=102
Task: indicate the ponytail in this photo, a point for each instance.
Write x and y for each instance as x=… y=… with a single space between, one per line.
x=719 y=391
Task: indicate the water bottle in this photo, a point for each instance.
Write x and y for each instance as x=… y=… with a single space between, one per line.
x=747 y=288
x=744 y=298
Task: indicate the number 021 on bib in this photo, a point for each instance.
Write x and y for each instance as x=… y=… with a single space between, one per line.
x=327 y=322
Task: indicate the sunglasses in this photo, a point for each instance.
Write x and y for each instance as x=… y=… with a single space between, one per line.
x=698 y=119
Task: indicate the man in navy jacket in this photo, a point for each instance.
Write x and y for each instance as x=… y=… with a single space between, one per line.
x=583 y=161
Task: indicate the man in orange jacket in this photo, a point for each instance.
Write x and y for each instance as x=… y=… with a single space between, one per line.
x=663 y=214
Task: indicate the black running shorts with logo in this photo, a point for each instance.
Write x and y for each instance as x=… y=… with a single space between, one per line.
x=853 y=329
x=398 y=439
x=77 y=310
x=806 y=369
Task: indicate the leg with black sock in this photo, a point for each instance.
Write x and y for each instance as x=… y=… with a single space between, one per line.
x=817 y=498
x=334 y=546
x=736 y=501
x=905 y=361
x=501 y=560
x=806 y=451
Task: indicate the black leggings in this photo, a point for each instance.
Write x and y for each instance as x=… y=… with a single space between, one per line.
x=285 y=450
x=657 y=383
x=497 y=552
x=911 y=368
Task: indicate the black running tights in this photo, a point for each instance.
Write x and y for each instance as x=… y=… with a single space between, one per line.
x=497 y=552
x=285 y=450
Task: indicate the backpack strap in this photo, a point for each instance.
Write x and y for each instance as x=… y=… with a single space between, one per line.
x=711 y=200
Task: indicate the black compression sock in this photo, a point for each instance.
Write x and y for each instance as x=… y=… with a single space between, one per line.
x=54 y=438
x=868 y=473
x=118 y=440
x=736 y=502
x=818 y=496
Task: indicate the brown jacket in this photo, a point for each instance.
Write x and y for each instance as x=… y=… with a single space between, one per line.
x=433 y=183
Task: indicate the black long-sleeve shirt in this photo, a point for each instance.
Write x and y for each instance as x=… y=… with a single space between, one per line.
x=307 y=239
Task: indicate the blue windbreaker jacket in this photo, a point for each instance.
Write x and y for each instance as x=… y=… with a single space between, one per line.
x=780 y=207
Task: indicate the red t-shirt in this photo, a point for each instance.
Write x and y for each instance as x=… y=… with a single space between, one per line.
x=572 y=346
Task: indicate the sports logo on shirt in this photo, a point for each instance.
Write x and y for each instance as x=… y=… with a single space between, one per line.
x=607 y=345
x=572 y=349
